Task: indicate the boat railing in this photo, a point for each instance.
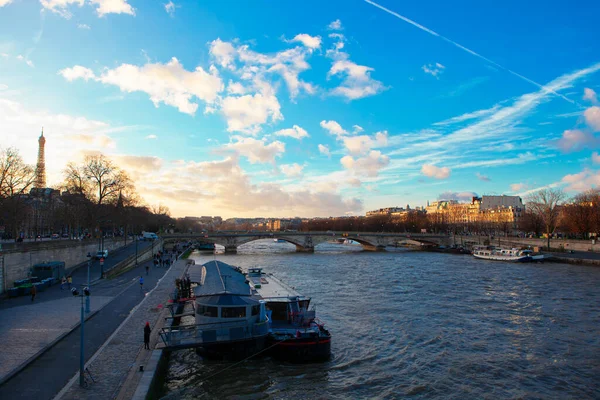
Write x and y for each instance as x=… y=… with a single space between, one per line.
x=197 y=335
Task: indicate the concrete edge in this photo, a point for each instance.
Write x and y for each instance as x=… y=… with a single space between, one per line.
x=53 y=343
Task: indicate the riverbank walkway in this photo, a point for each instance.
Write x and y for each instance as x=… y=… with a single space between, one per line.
x=40 y=351
x=115 y=366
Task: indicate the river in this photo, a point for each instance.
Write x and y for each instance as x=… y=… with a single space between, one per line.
x=419 y=324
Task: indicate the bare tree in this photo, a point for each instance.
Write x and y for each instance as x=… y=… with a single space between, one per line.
x=102 y=184
x=16 y=177
x=16 y=180
x=545 y=204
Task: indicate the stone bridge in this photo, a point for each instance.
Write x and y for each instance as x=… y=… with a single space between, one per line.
x=307 y=241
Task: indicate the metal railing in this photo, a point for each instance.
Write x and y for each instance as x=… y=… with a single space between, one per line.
x=201 y=334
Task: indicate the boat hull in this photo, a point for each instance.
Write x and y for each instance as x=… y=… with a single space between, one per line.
x=300 y=350
x=503 y=258
x=233 y=350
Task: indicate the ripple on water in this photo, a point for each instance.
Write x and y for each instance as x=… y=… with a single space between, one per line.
x=422 y=325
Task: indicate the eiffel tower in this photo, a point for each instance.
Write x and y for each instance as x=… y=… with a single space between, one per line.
x=40 y=171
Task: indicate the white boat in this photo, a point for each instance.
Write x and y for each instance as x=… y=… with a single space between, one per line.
x=500 y=254
x=295 y=334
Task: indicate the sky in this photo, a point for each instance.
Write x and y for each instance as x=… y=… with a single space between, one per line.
x=312 y=108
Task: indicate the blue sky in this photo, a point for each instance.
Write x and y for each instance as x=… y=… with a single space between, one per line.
x=239 y=108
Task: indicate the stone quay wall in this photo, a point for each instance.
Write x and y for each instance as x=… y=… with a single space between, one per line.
x=15 y=263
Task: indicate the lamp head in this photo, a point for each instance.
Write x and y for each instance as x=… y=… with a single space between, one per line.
x=74 y=292
x=86 y=291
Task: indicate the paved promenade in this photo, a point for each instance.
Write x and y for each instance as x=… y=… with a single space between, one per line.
x=40 y=349
x=115 y=365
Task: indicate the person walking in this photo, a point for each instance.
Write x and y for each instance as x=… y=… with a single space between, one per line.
x=63 y=282
x=69 y=281
x=147 y=269
x=33 y=292
x=141 y=283
x=147 y=331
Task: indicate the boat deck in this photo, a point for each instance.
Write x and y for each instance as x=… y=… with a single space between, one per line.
x=270 y=288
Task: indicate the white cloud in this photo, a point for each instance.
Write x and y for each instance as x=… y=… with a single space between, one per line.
x=335 y=25
x=223 y=52
x=596 y=157
x=83 y=26
x=67 y=136
x=576 y=139
x=5 y=2
x=3 y=86
x=333 y=127
x=585 y=180
x=590 y=95
x=312 y=42
x=291 y=170
x=433 y=69
x=482 y=178
x=257 y=151
x=236 y=88
x=170 y=8
x=518 y=187
x=323 y=149
x=295 y=132
x=356 y=80
x=357 y=129
x=592 y=117
x=167 y=83
x=77 y=72
x=247 y=113
x=435 y=172
x=362 y=144
x=458 y=196
x=61 y=7
x=113 y=7
x=151 y=137
x=369 y=165
x=288 y=64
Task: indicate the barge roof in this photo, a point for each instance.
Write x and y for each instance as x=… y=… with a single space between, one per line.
x=271 y=288
x=218 y=278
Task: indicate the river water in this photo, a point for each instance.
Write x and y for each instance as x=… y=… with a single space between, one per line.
x=422 y=325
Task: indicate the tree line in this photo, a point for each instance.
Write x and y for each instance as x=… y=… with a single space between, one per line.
x=97 y=198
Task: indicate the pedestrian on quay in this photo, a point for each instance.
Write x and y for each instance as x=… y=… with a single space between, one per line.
x=141 y=283
x=147 y=269
x=155 y=262
x=147 y=331
x=33 y=292
x=63 y=282
x=69 y=281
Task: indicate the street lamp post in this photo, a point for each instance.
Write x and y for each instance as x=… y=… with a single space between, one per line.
x=136 y=250
x=85 y=293
x=87 y=299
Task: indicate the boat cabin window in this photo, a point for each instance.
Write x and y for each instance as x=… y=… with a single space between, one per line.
x=233 y=312
x=280 y=311
x=304 y=304
x=207 y=311
x=255 y=310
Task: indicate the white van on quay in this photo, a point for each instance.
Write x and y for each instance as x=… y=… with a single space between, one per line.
x=101 y=254
x=149 y=236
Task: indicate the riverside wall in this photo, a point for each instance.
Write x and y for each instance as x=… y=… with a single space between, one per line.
x=15 y=263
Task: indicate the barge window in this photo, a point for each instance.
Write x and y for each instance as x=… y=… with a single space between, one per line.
x=280 y=311
x=207 y=311
x=255 y=310
x=233 y=312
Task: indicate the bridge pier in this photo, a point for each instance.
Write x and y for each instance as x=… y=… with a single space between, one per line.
x=230 y=249
x=302 y=249
x=368 y=247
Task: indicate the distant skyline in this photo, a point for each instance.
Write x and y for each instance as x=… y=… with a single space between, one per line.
x=244 y=109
